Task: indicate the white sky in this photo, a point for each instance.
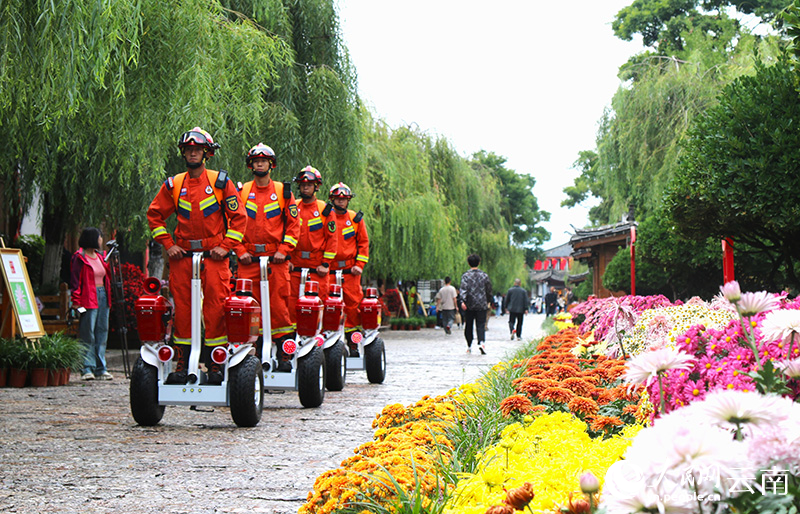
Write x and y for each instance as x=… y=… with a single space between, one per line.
x=525 y=79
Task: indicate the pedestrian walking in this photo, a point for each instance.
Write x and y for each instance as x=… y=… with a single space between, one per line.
x=446 y=299
x=516 y=305
x=475 y=296
x=550 y=302
x=91 y=296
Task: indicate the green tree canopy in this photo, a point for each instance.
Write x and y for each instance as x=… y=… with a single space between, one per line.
x=740 y=174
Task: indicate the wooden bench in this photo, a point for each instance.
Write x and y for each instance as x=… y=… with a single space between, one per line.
x=55 y=312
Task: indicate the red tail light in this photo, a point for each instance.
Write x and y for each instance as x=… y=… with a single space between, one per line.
x=289 y=347
x=356 y=337
x=165 y=353
x=219 y=355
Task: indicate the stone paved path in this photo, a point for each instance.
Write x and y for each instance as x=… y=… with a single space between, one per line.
x=77 y=449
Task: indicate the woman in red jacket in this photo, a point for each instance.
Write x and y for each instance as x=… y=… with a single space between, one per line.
x=91 y=287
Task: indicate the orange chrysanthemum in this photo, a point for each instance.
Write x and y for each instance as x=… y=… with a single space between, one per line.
x=578 y=385
x=581 y=405
x=515 y=403
x=519 y=497
x=601 y=423
x=557 y=394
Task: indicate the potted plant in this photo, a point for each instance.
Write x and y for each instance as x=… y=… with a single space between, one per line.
x=4 y=358
x=71 y=351
x=40 y=361
x=394 y=323
x=19 y=360
x=430 y=321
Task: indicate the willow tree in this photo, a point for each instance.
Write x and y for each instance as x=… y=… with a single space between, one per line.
x=313 y=114
x=109 y=88
x=638 y=140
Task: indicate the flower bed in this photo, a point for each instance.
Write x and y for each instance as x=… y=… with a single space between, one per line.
x=723 y=428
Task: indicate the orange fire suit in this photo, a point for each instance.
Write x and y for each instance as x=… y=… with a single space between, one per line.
x=201 y=226
x=352 y=249
x=272 y=226
x=316 y=245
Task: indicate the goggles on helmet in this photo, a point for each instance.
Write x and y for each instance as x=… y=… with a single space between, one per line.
x=198 y=137
x=308 y=174
x=341 y=190
x=261 y=151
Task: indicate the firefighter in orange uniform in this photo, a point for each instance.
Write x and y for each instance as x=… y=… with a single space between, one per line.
x=205 y=202
x=272 y=230
x=352 y=255
x=316 y=246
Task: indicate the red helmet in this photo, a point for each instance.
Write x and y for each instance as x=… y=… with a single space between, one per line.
x=261 y=151
x=309 y=174
x=198 y=137
x=341 y=190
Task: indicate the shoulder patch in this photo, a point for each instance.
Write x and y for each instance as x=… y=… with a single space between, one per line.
x=232 y=203
x=170 y=183
x=332 y=226
x=293 y=210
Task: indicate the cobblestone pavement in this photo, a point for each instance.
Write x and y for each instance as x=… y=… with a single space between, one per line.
x=77 y=449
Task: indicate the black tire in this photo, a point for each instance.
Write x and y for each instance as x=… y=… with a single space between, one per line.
x=246 y=387
x=375 y=361
x=336 y=364
x=144 y=394
x=311 y=378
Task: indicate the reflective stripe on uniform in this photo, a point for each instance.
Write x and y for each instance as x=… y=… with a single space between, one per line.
x=159 y=231
x=180 y=340
x=217 y=341
x=328 y=255
x=283 y=330
x=289 y=239
x=362 y=258
x=238 y=236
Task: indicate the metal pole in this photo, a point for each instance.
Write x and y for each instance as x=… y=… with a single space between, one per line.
x=633 y=261
x=118 y=295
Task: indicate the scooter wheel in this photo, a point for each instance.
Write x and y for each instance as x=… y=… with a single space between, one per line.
x=246 y=386
x=144 y=394
x=311 y=378
x=375 y=361
x=336 y=363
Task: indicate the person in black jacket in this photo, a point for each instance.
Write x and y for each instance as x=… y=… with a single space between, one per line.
x=551 y=302
x=516 y=305
x=474 y=296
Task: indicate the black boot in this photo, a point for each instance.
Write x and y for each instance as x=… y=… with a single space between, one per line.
x=181 y=359
x=215 y=374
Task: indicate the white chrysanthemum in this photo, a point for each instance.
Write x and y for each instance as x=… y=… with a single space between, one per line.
x=751 y=304
x=789 y=368
x=732 y=409
x=643 y=368
x=782 y=325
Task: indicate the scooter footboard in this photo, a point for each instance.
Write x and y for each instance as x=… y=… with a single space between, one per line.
x=193 y=394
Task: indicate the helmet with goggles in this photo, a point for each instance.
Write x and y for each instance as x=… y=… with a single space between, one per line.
x=309 y=174
x=341 y=190
x=198 y=137
x=261 y=151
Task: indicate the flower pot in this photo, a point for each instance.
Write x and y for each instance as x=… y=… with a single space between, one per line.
x=3 y=376
x=53 y=377
x=65 y=373
x=39 y=377
x=17 y=377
